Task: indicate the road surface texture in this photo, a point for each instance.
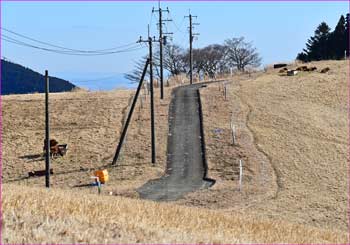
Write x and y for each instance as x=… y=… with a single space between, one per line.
x=186 y=165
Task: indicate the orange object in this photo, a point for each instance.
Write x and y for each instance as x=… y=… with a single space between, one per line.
x=102 y=175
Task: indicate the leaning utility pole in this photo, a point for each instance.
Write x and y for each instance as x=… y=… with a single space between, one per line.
x=191 y=35
x=162 y=40
x=47 y=131
x=125 y=129
x=153 y=138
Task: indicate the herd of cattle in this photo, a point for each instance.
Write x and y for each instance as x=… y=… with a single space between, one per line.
x=292 y=72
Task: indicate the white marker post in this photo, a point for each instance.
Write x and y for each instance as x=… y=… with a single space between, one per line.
x=240 y=175
x=141 y=101
x=233 y=130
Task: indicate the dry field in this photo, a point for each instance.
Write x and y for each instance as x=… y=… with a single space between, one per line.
x=95 y=219
x=90 y=123
x=292 y=135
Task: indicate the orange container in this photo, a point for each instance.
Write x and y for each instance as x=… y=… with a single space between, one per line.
x=102 y=175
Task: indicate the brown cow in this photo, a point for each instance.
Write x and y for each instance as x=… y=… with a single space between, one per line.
x=325 y=70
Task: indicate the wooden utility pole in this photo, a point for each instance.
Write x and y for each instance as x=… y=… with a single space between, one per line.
x=123 y=134
x=153 y=137
x=191 y=36
x=162 y=41
x=47 y=131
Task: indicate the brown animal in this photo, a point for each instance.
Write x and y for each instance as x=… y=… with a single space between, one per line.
x=283 y=70
x=302 y=68
x=55 y=148
x=312 y=68
x=325 y=70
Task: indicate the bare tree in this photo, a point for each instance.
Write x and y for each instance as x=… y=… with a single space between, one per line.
x=212 y=57
x=172 y=59
x=198 y=61
x=136 y=73
x=241 y=54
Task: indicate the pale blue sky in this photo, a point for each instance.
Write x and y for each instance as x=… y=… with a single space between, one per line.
x=279 y=30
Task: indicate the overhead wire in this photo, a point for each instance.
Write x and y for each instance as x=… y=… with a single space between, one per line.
x=65 y=48
x=177 y=26
x=66 y=52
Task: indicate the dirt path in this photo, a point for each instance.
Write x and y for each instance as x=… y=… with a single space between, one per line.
x=185 y=162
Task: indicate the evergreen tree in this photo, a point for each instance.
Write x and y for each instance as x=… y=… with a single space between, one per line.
x=338 y=40
x=328 y=45
x=347 y=34
x=317 y=47
x=303 y=57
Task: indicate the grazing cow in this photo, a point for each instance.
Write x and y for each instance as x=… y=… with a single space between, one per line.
x=314 y=68
x=292 y=72
x=283 y=70
x=302 y=68
x=55 y=148
x=325 y=70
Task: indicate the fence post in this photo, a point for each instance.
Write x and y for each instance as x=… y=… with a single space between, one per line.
x=233 y=131
x=240 y=174
x=225 y=91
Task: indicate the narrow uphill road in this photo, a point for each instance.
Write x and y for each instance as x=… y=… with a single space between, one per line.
x=186 y=166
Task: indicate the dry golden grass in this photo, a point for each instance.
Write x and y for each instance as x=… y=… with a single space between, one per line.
x=292 y=137
x=90 y=123
x=292 y=134
x=36 y=215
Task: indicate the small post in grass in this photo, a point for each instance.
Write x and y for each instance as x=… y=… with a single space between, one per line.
x=233 y=130
x=225 y=91
x=98 y=183
x=240 y=174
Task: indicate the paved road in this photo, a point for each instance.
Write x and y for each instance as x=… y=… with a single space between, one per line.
x=185 y=163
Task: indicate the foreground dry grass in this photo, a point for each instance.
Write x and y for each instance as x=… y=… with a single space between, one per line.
x=52 y=216
x=292 y=135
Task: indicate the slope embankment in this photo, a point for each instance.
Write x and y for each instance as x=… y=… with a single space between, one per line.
x=58 y=216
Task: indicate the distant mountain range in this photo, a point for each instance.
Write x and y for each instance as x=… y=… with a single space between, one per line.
x=17 y=79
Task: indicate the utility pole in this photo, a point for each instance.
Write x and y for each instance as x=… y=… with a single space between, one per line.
x=153 y=138
x=162 y=41
x=191 y=36
x=47 y=131
x=122 y=136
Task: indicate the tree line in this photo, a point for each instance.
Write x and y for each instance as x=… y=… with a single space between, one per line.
x=214 y=59
x=325 y=45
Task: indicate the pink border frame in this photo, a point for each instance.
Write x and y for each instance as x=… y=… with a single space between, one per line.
x=348 y=102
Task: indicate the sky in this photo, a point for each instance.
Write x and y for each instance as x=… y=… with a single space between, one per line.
x=279 y=30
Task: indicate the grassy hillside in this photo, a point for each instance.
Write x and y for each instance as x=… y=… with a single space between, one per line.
x=33 y=215
x=16 y=79
x=292 y=135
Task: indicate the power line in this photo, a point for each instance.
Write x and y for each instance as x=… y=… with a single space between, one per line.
x=65 y=48
x=178 y=27
x=21 y=43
